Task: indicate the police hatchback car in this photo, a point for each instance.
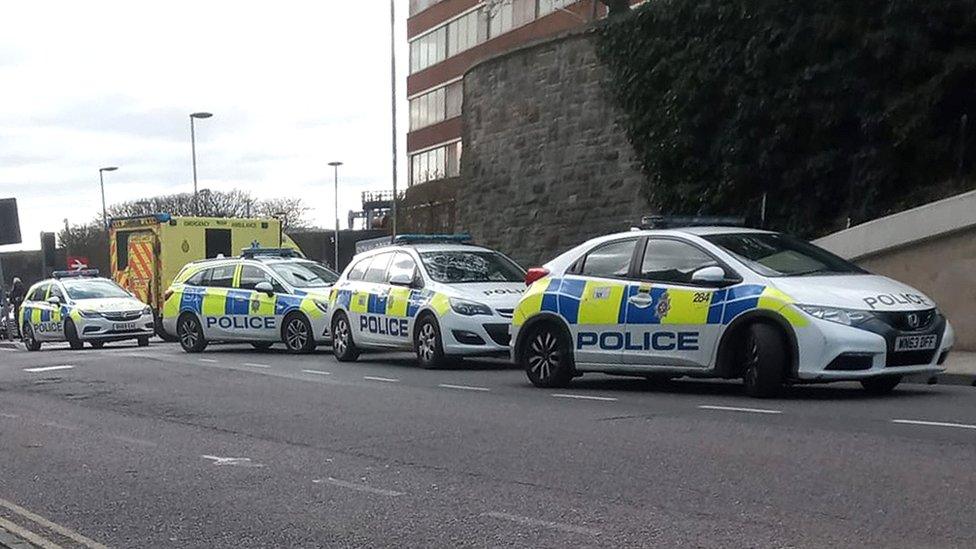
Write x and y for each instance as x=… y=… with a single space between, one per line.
x=79 y=307
x=264 y=297
x=727 y=303
x=431 y=294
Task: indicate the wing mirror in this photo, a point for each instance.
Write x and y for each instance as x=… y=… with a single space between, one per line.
x=401 y=279
x=54 y=300
x=713 y=275
x=264 y=287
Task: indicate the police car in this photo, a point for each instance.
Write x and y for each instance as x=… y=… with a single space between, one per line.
x=433 y=294
x=80 y=307
x=264 y=297
x=723 y=302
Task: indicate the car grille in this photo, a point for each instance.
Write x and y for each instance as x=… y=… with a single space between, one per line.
x=122 y=316
x=506 y=313
x=910 y=321
x=498 y=333
x=909 y=358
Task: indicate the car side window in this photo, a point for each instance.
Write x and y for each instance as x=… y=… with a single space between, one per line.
x=610 y=260
x=672 y=261
x=222 y=277
x=359 y=269
x=377 y=268
x=403 y=264
x=56 y=291
x=39 y=293
x=198 y=279
x=251 y=276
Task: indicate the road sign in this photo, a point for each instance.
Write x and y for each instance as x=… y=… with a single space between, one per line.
x=77 y=262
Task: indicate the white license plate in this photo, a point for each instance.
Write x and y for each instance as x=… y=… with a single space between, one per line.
x=124 y=326
x=916 y=343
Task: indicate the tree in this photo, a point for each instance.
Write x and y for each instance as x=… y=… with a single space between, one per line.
x=292 y=211
x=617 y=7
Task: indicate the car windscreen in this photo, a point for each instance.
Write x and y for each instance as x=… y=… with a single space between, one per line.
x=471 y=266
x=773 y=254
x=304 y=274
x=93 y=289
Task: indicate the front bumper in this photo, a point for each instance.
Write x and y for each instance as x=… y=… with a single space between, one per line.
x=475 y=335
x=829 y=351
x=104 y=329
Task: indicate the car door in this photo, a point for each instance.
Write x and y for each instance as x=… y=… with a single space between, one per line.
x=590 y=298
x=217 y=323
x=263 y=322
x=399 y=323
x=372 y=325
x=56 y=324
x=35 y=309
x=668 y=321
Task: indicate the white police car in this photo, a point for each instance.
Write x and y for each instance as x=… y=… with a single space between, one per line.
x=79 y=307
x=263 y=297
x=432 y=294
x=727 y=303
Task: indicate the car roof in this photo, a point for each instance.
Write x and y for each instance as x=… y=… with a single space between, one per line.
x=431 y=247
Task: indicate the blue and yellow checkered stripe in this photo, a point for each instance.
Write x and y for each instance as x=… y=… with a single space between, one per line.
x=227 y=302
x=398 y=302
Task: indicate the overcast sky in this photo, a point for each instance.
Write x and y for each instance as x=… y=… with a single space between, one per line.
x=292 y=85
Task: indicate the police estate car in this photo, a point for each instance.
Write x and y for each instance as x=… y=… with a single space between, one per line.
x=432 y=294
x=722 y=302
x=263 y=297
x=79 y=307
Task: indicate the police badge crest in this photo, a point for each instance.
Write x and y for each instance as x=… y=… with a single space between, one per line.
x=663 y=306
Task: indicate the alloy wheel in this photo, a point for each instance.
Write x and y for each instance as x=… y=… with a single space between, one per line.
x=188 y=335
x=544 y=355
x=427 y=342
x=296 y=335
x=341 y=336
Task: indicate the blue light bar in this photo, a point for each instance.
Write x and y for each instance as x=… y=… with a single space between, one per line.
x=75 y=274
x=460 y=238
x=251 y=253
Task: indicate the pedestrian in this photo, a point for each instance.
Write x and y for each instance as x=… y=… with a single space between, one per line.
x=16 y=298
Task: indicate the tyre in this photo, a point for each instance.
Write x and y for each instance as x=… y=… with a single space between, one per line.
x=97 y=344
x=190 y=333
x=71 y=335
x=547 y=357
x=262 y=345
x=297 y=334
x=343 y=346
x=143 y=341
x=763 y=361
x=880 y=385
x=29 y=339
x=428 y=344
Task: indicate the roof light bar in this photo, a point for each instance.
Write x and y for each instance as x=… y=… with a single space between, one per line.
x=458 y=238
x=75 y=274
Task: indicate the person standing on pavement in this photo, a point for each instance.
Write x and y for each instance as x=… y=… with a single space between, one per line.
x=16 y=298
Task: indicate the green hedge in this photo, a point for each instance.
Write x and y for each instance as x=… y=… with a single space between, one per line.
x=835 y=108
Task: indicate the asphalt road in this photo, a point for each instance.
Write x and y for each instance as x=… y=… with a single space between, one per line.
x=131 y=447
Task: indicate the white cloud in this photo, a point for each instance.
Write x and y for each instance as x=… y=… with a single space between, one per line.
x=292 y=85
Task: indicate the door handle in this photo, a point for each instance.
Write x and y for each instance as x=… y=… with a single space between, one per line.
x=641 y=300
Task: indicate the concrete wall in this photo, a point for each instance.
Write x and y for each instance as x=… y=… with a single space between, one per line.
x=546 y=163
x=932 y=248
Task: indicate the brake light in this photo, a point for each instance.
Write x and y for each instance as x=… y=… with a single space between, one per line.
x=167 y=294
x=535 y=273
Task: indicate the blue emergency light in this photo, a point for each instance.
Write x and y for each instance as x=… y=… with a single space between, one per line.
x=459 y=238
x=75 y=274
x=251 y=253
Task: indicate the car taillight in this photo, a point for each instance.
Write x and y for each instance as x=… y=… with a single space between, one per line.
x=535 y=273
x=167 y=294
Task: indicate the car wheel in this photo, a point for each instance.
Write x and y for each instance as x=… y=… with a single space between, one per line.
x=143 y=341
x=763 y=361
x=29 y=339
x=297 y=334
x=547 y=357
x=880 y=385
x=262 y=345
x=97 y=344
x=71 y=335
x=343 y=346
x=428 y=344
x=190 y=333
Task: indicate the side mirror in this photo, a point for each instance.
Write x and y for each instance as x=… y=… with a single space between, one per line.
x=264 y=287
x=401 y=279
x=54 y=300
x=709 y=275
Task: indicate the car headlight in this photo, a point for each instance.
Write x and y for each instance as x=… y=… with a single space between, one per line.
x=147 y=311
x=847 y=317
x=469 y=308
x=89 y=314
x=322 y=305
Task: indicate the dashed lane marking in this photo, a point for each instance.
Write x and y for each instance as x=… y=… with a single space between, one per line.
x=57 y=528
x=49 y=368
x=232 y=461
x=358 y=487
x=209 y=360
x=933 y=423
x=586 y=397
x=130 y=440
x=9 y=416
x=386 y=379
x=562 y=527
x=317 y=372
x=462 y=387
x=26 y=534
x=256 y=365
x=737 y=409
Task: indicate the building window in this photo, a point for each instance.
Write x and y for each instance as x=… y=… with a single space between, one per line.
x=453 y=96
x=435 y=106
x=466 y=32
x=548 y=6
x=428 y=50
x=436 y=163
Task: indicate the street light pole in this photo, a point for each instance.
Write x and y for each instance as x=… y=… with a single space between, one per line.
x=193 y=149
x=394 y=108
x=101 y=182
x=335 y=166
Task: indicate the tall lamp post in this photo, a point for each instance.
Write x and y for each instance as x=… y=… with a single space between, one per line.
x=335 y=166
x=101 y=181
x=393 y=96
x=193 y=149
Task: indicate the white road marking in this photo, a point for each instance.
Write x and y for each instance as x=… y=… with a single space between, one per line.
x=737 y=409
x=27 y=535
x=256 y=365
x=66 y=532
x=131 y=440
x=358 y=487
x=209 y=360
x=933 y=423
x=586 y=397
x=232 y=461
x=58 y=426
x=317 y=372
x=387 y=379
x=462 y=387
x=49 y=368
x=9 y=416
x=544 y=523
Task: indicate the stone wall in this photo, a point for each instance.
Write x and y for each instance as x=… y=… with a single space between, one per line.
x=546 y=164
x=429 y=207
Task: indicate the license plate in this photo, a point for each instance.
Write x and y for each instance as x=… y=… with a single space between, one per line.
x=915 y=343
x=124 y=326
